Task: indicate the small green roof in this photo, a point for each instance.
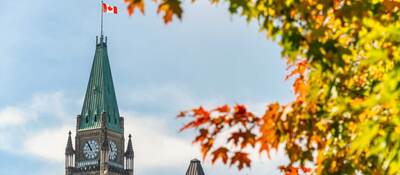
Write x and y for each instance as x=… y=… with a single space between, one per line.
x=100 y=93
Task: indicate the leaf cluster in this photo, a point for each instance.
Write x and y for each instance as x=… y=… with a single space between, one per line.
x=344 y=57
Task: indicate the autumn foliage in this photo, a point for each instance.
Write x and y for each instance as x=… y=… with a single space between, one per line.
x=344 y=58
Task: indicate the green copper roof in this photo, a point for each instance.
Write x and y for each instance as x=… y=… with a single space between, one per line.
x=100 y=94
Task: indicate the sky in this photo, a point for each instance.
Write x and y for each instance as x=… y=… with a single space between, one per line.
x=209 y=58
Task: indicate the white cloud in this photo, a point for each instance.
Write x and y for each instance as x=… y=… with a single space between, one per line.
x=11 y=116
x=19 y=122
x=53 y=104
x=167 y=92
x=48 y=144
x=172 y=96
x=155 y=145
x=41 y=104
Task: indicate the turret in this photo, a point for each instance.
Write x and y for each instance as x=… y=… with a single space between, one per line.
x=69 y=156
x=129 y=155
x=195 y=168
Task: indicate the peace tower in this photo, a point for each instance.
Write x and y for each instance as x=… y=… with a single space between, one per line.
x=99 y=141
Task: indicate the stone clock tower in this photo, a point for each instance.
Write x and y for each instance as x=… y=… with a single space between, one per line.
x=99 y=141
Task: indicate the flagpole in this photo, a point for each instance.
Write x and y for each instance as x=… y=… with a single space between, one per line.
x=101 y=31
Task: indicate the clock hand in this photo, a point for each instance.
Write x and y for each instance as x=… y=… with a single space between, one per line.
x=90 y=147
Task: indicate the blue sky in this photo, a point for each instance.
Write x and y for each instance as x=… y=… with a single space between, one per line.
x=209 y=58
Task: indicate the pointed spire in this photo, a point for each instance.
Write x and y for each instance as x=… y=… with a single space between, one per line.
x=129 y=150
x=100 y=94
x=195 y=168
x=69 y=150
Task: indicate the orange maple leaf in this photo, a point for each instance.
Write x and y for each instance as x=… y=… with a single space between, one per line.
x=200 y=112
x=240 y=109
x=300 y=88
x=244 y=137
x=133 y=4
x=170 y=8
x=300 y=69
x=205 y=147
x=242 y=159
x=182 y=114
x=220 y=153
x=202 y=136
x=306 y=170
x=223 y=109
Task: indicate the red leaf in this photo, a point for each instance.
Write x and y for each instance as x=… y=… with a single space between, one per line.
x=300 y=69
x=223 y=109
x=181 y=114
x=220 y=153
x=200 y=112
x=244 y=137
x=188 y=125
x=133 y=4
x=205 y=147
x=240 y=109
x=170 y=8
x=306 y=170
x=300 y=88
x=202 y=136
x=242 y=159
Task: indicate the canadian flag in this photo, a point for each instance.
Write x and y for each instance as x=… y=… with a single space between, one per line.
x=109 y=8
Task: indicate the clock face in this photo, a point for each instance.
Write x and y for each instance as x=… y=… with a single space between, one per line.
x=113 y=150
x=91 y=149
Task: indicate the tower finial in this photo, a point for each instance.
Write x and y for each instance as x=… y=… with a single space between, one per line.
x=129 y=148
x=129 y=156
x=101 y=27
x=69 y=150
